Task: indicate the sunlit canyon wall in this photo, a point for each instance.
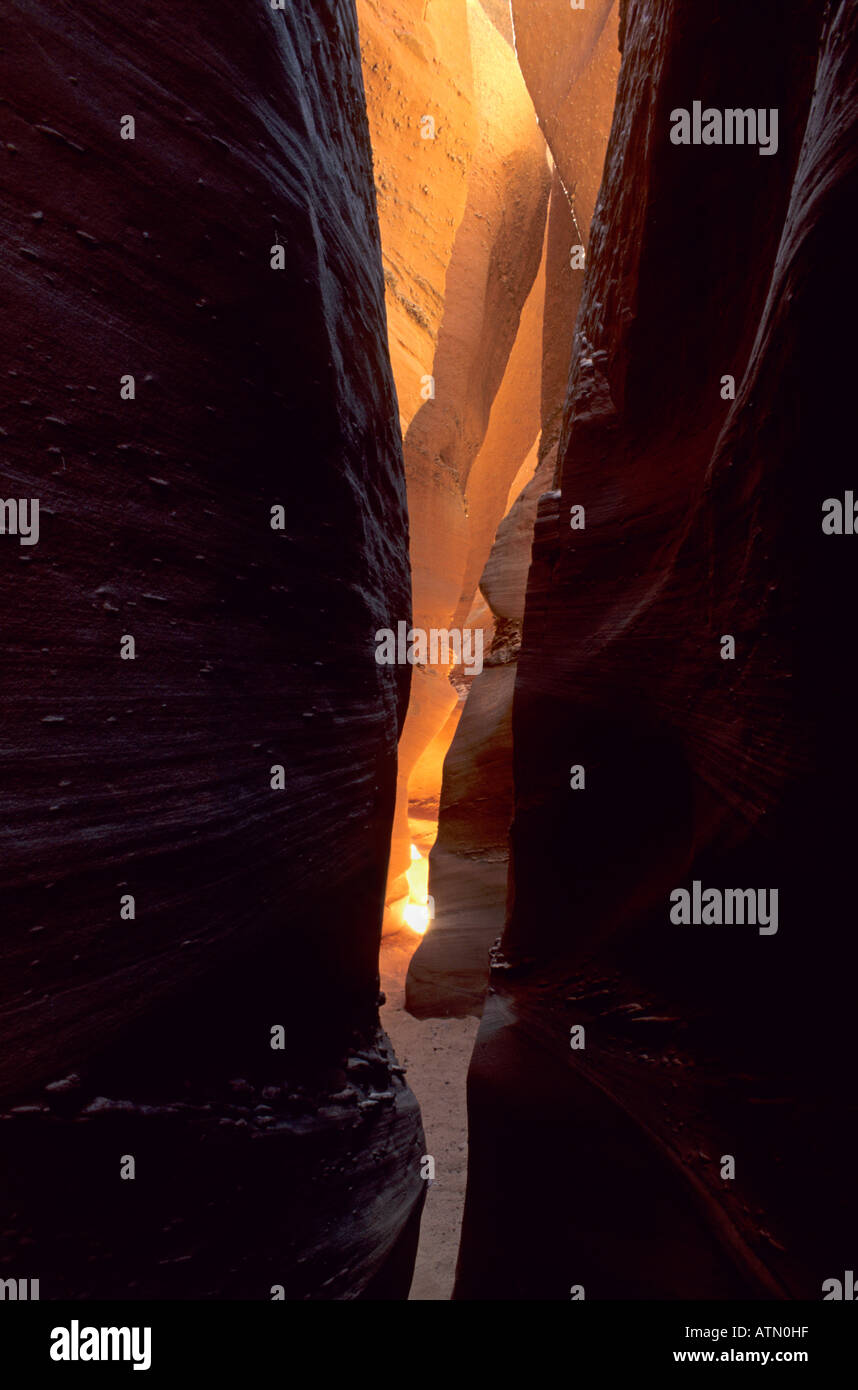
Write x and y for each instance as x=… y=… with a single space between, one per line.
x=463 y=181
x=480 y=218
x=572 y=85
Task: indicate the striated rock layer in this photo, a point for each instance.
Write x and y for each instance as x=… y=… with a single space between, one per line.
x=254 y=907
x=449 y=971
x=703 y=519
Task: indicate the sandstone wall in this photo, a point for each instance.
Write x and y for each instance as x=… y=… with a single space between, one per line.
x=572 y=81
x=462 y=218
x=703 y=519
x=255 y=906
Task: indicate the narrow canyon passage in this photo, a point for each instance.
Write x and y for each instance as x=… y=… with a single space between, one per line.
x=426 y=675
x=435 y=1053
x=480 y=218
x=597 y=647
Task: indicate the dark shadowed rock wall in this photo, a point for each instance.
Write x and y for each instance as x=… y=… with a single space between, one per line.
x=602 y=1167
x=255 y=907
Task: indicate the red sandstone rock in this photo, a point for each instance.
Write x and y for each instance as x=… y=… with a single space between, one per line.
x=572 y=79
x=703 y=518
x=254 y=647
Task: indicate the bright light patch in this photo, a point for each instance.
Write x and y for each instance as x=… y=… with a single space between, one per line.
x=417 y=914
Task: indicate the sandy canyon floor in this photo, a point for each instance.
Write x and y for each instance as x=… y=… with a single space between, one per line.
x=435 y=1053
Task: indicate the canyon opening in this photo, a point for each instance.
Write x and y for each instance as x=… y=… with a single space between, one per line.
x=427 y=694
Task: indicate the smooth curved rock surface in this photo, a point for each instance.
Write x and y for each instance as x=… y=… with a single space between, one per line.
x=255 y=907
x=449 y=971
x=572 y=80
x=462 y=219
x=703 y=518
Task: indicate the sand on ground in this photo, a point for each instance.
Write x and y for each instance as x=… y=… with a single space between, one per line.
x=435 y=1053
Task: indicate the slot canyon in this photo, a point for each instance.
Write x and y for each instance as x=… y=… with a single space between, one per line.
x=512 y=966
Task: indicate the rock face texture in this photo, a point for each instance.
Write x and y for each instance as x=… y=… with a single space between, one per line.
x=257 y=896
x=468 y=863
x=573 y=83
x=572 y=80
x=449 y=972
x=463 y=184
x=703 y=520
